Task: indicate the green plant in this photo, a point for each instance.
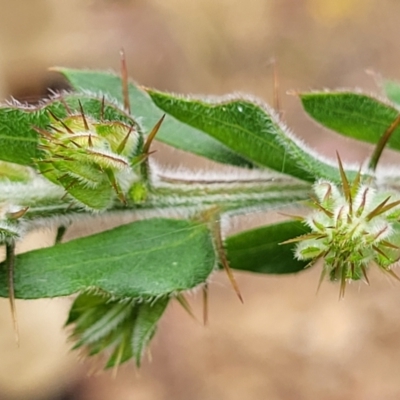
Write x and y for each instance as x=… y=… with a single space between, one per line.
x=83 y=154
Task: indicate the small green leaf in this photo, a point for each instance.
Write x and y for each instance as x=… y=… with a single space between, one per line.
x=354 y=115
x=172 y=132
x=149 y=258
x=251 y=130
x=260 y=250
x=123 y=327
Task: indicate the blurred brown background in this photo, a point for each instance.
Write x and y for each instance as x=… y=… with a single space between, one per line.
x=284 y=342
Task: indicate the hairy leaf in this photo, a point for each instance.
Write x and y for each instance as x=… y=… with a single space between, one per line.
x=173 y=133
x=147 y=259
x=123 y=327
x=250 y=130
x=355 y=115
x=260 y=250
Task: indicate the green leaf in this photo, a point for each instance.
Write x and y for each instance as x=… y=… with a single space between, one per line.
x=145 y=326
x=392 y=90
x=354 y=115
x=149 y=258
x=250 y=130
x=18 y=140
x=260 y=250
x=172 y=132
x=124 y=327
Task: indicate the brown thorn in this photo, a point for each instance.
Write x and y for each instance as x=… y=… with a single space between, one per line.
x=356 y=181
x=43 y=132
x=390 y=245
x=342 y=284
x=76 y=144
x=378 y=250
x=56 y=129
x=389 y=206
x=321 y=279
x=69 y=186
x=152 y=135
x=66 y=106
x=124 y=78
x=345 y=184
x=224 y=260
x=306 y=236
x=67 y=128
x=364 y=272
x=391 y=273
x=363 y=202
x=295 y=217
x=205 y=304
x=85 y=124
x=10 y=263
x=103 y=105
x=114 y=184
x=377 y=210
x=185 y=305
x=17 y=214
x=382 y=143
x=321 y=207
x=90 y=142
x=122 y=145
x=276 y=87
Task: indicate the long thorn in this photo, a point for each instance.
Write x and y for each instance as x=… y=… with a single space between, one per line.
x=85 y=124
x=122 y=145
x=66 y=106
x=224 y=260
x=185 y=305
x=382 y=143
x=205 y=304
x=364 y=272
x=67 y=128
x=152 y=135
x=345 y=183
x=10 y=263
x=321 y=279
x=124 y=77
x=103 y=99
x=277 y=105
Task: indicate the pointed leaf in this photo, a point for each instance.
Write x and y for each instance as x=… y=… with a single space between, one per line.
x=149 y=258
x=145 y=326
x=354 y=115
x=123 y=327
x=251 y=130
x=172 y=132
x=260 y=250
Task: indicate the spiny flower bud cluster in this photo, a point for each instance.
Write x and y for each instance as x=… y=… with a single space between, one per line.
x=92 y=160
x=351 y=228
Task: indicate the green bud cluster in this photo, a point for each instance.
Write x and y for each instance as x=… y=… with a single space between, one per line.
x=352 y=227
x=93 y=160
